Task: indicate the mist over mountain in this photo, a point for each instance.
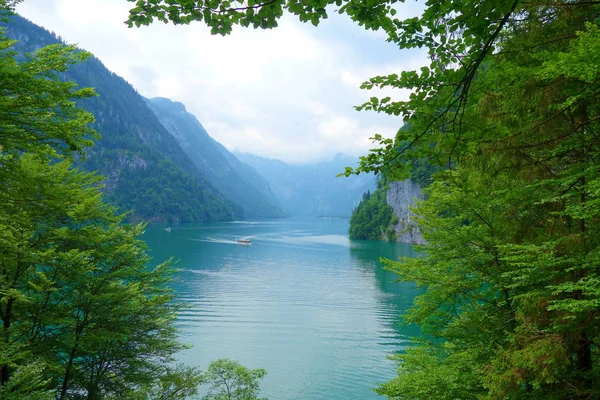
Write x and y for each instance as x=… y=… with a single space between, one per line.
x=237 y=181
x=313 y=190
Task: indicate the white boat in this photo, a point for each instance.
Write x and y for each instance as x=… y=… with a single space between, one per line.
x=168 y=229
x=243 y=241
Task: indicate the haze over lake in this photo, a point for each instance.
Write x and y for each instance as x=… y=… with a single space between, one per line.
x=312 y=307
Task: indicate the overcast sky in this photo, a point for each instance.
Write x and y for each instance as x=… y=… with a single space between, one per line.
x=286 y=93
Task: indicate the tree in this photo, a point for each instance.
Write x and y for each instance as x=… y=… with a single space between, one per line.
x=82 y=314
x=27 y=383
x=372 y=218
x=511 y=268
x=177 y=383
x=32 y=121
x=228 y=380
x=76 y=290
x=37 y=110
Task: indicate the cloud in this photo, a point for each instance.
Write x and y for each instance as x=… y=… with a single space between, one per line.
x=286 y=93
x=339 y=128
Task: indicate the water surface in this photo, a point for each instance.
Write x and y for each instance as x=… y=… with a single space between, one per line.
x=303 y=301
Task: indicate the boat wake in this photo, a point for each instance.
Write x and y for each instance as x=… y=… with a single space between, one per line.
x=213 y=240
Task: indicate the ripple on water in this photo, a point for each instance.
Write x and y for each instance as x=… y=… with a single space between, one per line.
x=312 y=307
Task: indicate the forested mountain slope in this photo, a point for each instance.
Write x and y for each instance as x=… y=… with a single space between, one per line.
x=145 y=168
x=236 y=180
x=313 y=189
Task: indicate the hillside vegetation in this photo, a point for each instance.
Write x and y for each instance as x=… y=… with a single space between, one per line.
x=373 y=218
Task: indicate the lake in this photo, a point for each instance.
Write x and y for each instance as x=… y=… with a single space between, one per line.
x=312 y=307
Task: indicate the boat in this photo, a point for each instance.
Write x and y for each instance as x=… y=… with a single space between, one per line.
x=168 y=229
x=243 y=241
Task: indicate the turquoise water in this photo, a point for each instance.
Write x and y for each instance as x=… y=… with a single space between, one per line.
x=303 y=301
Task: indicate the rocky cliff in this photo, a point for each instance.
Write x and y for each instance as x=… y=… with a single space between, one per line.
x=400 y=196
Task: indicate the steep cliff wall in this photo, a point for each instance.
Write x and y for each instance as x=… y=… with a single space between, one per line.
x=400 y=196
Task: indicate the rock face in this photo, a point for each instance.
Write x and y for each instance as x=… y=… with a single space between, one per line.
x=400 y=196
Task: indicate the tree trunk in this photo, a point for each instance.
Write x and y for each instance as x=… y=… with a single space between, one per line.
x=6 y=321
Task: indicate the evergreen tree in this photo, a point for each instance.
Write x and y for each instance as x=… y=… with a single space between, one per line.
x=373 y=217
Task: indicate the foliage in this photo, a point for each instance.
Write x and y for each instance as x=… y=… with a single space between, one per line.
x=8 y=6
x=373 y=218
x=228 y=380
x=178 y=383
x=82 y=315
x=76 y=291
x=27 y=383
x=511 y=268
x=436 y=372
x=39 y=115
x=422 y=171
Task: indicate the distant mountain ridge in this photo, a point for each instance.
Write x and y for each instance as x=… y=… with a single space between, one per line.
x=313 y=190
x=234 y=179
x=145 y=168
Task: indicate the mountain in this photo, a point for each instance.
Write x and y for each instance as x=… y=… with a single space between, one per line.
x=237 y=181
x=145 y=168
x=313 y=190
